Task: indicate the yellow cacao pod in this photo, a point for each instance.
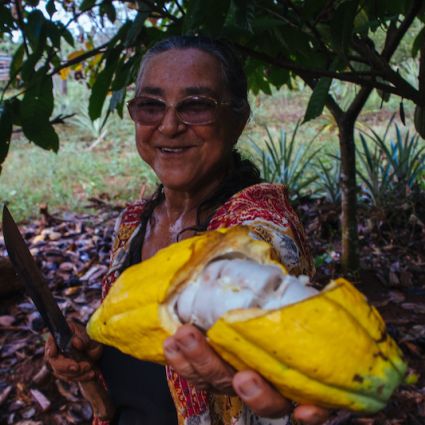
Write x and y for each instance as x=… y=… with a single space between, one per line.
x=330 y=349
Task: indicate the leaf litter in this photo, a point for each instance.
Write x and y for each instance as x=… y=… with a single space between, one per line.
x=72 y=251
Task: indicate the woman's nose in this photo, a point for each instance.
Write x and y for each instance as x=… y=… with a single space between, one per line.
x=171 y=124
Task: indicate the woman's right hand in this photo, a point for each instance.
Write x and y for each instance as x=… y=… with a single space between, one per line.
x=68 y=369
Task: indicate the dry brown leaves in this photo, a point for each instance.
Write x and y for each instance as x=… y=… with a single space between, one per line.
x=73 y=253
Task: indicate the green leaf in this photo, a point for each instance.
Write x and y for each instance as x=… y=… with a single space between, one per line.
x=108 y=8
x=133 y=30
x=6 y=21
x=42 y=134
x=314 y=7
x=402 y=114
x=278 y=76
x=244 y=14
x=87 y=4
x=6 y=127
x=53 y=33
x=16 y=63
x=318 y=99
x=342 y=24
x=15 y=110
x=35 y=111
x=65 y=33
x=418 y=42
x=50 y=7
x=206 y=16
x=28 y=66
x=124 y=73
x=117 y=101
x=34 y=28
x=101 y=85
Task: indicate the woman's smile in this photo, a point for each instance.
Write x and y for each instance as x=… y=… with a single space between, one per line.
x=185 y=157
x=175 y=150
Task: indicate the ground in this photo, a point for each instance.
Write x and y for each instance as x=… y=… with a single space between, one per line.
x=72 y=251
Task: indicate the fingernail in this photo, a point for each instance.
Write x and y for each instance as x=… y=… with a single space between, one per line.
x=189 y=341
x=249 y=388
x=170 y=348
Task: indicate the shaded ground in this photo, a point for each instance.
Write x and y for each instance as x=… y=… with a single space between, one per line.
x=73 y=253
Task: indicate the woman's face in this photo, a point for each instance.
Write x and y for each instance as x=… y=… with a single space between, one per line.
x=186 y=157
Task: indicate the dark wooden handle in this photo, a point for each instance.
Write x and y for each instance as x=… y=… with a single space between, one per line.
x=97 y=395
x=93 y=391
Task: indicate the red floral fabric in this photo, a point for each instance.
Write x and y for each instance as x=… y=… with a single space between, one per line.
x=266 y=209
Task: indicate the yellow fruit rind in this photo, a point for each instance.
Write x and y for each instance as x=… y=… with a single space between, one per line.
x=331 y=349
x=315 y=351
x=136 y=316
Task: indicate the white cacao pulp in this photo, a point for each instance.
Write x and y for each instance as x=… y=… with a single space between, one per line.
x=227 y=284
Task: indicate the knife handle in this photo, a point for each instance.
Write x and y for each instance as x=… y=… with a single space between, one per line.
x=94 y=391
x=97 y=395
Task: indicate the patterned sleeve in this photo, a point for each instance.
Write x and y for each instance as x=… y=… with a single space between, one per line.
x=266 y=209
x=126 y=227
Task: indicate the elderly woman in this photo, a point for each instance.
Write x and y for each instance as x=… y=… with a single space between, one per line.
x=189 y=111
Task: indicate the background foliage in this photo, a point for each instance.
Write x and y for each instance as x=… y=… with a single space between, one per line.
x=317 y=41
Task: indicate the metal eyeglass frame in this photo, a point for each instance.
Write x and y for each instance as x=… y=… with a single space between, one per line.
x=216 y=102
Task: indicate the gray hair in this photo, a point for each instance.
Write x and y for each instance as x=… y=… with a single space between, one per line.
x=233 y=73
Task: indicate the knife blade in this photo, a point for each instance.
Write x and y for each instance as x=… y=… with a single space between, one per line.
x=38 y=290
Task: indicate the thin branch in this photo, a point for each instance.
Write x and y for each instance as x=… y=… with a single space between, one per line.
x=357 y=104
x=358 y=59
x=80 y=58
x=160 y=10
x=361 y=78
x=324 y=11
x=179 y=6
x=394 y=39
x=377 y=62
x=77 y=15
x=312 y=27
x=60 y=119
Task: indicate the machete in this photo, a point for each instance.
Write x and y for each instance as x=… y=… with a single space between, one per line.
x=38 y=290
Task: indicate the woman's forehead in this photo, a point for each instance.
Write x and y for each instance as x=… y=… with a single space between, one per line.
x=189 y=71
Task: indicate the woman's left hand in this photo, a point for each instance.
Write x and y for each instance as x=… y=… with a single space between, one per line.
x=189 y=354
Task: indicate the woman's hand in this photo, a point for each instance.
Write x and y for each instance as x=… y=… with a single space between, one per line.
x=67 y=368
x=189 y=354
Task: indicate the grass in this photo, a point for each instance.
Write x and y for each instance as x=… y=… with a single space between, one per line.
x=66 y=180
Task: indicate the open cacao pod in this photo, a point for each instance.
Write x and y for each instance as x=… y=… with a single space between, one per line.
x=328 y=348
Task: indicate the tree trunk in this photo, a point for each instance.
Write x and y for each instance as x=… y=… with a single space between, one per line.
x=349 y=240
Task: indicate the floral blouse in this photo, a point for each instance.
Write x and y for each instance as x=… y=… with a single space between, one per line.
x=266 y=209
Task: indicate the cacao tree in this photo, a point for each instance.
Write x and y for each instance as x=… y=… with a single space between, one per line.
x=316 y=40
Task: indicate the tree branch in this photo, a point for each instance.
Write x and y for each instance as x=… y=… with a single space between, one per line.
x=180 y=7
x=377 y=62
x=391 y=44
x=60 y=119
x=161 y=11
x=360 y=78
x=312 y=27
x=80 y=58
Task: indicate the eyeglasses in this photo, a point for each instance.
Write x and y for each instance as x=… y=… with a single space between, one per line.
x=193 y=110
